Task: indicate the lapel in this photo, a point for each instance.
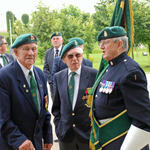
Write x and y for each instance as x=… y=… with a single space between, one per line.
x=24 y=87
x=7 y=58
x=83 y=84
x=51 y=57
x=40 y=85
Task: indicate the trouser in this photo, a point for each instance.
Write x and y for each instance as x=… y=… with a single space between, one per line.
x=74 y=145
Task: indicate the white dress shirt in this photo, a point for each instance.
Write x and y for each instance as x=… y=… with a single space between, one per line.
x=58 y=49
x=1 y=61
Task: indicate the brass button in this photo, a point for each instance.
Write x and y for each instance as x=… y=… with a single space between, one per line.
x=74 y=125
x=73 y=114
x=111 y=63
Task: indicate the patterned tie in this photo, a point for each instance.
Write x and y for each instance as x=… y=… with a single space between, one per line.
x=71 y=87
x=4 y=60
x=33 y=87
x=56 y=54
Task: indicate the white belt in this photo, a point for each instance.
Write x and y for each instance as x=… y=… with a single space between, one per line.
x=104 y=120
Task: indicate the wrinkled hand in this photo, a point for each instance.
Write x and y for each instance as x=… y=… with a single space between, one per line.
x=47 y=147
x=26 y=145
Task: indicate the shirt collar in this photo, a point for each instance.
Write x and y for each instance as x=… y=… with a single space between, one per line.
x=77 y=71
x=118 y=59
x=24 y=69
x=58 y=48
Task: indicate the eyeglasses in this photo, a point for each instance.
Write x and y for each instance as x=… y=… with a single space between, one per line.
x=104 y=42
x=77 y=55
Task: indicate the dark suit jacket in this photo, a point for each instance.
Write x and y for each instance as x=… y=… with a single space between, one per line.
x=68 y=122
x=59 y=65
x=19 y=119
x=9 y=58
x=48 y=62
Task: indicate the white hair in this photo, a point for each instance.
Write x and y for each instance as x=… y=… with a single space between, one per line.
x=124 y=39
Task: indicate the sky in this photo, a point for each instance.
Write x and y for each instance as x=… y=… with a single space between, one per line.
x=19 y=7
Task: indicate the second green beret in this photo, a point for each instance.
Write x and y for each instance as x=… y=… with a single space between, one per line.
x=55 y=34
x=79 y=40
x=111 y=32
x=69 y=46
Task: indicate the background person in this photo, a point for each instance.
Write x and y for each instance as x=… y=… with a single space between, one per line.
x=55 y=51
x=5 y=58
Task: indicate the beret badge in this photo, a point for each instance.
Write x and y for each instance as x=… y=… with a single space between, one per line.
x=32 y=37
x=105 y=34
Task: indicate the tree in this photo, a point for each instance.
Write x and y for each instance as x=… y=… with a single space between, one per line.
x=42 y=22
x=25 y=19
x=142 y=22
x=103 y=14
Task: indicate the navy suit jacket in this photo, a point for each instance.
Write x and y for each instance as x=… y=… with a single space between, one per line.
x=59 y=65
x=48 y=62
x=19 y=119
x=9 y=58
x=68 y=122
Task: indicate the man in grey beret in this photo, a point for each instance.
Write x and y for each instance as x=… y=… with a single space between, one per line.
x=24 y=118
x=71 y=114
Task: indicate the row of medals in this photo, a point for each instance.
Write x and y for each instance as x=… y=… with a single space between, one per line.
x=106 y=86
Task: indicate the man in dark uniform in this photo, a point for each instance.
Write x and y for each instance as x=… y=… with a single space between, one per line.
x=5 y=58
x=121 y=105
x=24 y=118
x=71 y=114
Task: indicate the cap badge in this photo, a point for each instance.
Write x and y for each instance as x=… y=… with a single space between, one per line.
x=56 y=33
x=75 y=42
x=105 y=34
x=32 y=37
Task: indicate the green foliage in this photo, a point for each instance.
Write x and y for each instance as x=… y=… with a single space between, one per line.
x=25 y=19
x=141 y=21
x=103 y=14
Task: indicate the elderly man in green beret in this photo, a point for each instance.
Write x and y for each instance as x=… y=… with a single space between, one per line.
x=24 y=118
x=71 y=114
x=59 y=65
x=120 y=100
x=53 y=52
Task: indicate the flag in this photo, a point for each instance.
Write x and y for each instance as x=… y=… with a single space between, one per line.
x=122 y=16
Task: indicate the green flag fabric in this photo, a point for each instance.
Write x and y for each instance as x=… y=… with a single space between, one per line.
x=123 y=16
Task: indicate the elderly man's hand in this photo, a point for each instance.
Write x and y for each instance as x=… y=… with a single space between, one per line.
x=47 y=147
x=26 y=145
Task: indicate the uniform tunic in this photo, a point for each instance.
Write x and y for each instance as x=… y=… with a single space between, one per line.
x=123 y=86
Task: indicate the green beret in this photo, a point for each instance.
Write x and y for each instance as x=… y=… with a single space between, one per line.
x=55 y=34
x=69 y=46
x=79 y=40
x=24 y=39
x=111 y=32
